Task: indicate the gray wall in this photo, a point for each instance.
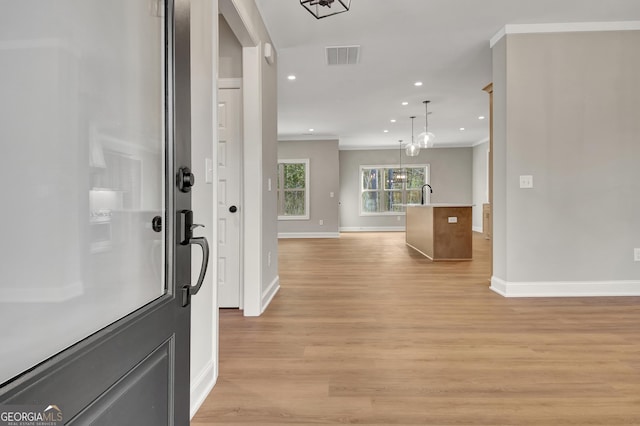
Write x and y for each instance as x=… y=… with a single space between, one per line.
x=324 y=178
x=450 y=177
x=567 y=112
x=480 y=183
x=230 y=51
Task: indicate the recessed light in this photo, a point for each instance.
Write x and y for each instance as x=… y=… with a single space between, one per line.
x=461 y=129
x=405 y=103
x=385 y=131
x=393 y=120
x=417 y=83
x=311 y=130
x=291 y=77
x=481 y=117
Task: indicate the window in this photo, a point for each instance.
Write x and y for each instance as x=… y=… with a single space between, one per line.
x=293 y=189
x=380 y=194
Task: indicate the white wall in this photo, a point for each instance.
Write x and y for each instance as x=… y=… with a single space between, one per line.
x=480 y=183
x=324 y=179
x=230 y=51
x=566 y=112
x=204 y=312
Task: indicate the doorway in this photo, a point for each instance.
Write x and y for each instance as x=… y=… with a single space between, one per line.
x=230 y=206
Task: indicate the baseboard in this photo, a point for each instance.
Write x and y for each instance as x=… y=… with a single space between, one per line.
x=201 y=387
x=477 y=229
x=372 y=229
x=565 y=288
x=42 y=295
x=269 y=294
x=308 y=235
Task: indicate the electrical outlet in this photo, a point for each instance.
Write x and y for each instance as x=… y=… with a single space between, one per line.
x=321 y=222
x=526 y=181
x=636 y=254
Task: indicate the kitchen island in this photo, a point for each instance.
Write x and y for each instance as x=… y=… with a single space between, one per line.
x=440 y=232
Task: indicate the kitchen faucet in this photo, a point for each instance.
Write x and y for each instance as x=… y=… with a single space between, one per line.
x=422 y=192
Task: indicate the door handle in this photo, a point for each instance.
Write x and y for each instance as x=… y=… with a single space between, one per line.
x=233 y=209
x=186 y=238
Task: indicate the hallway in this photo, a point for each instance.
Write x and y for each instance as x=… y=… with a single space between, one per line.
x=366 y=331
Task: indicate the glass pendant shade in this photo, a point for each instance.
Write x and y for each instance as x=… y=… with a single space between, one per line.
x=413 y=149
x=425 y=139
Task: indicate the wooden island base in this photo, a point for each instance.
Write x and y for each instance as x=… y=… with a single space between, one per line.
x=440 y=232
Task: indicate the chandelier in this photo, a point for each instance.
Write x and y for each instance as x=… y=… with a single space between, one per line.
x=323 y=8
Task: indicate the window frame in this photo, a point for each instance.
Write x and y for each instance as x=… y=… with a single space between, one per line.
x=362 y=190
x=280 y=192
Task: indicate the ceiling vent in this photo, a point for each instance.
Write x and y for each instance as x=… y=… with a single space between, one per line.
x=343 y=55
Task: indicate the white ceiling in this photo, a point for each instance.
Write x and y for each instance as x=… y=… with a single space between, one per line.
x=443 y=43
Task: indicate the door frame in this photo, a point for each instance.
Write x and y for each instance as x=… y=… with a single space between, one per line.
x=251 y=255
x=236 y=83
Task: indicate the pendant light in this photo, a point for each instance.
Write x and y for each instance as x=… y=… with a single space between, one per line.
x=413 y=149
x=323 y=8
x=401 y=175
x=426 y=138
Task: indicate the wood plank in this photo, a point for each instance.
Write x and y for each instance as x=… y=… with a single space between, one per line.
x=365 y=330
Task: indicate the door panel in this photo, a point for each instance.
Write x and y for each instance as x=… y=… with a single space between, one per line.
x=95 y=118
x=229 y=190
x=92 y=146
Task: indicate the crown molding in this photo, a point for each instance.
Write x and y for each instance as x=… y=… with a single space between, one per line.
x=568 y=27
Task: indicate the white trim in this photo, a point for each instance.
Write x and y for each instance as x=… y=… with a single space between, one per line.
x=42 y=294
x=308 y=137
x=569 y=27
x=269 y=293
x=477 y=229
x=372 y=229
x=201 y=386
x=565 y=288
x=480 y=142
x=229 y=83
x=308 y=235
x=252 y=172
x=388 y=147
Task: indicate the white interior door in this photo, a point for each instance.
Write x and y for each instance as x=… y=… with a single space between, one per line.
x=229 y=197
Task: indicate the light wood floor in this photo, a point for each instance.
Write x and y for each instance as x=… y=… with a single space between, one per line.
x=366 y=331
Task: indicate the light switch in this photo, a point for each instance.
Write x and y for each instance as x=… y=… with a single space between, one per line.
x=453 y=219
x=269 y=184
x=526 y=181
x=331 y=194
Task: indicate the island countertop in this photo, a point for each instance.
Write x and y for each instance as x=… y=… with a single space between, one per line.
x=440 y=231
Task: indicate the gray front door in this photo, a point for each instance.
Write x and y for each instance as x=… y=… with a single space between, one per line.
x=94 y=247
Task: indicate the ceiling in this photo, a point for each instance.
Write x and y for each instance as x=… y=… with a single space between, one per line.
x=442 y=43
